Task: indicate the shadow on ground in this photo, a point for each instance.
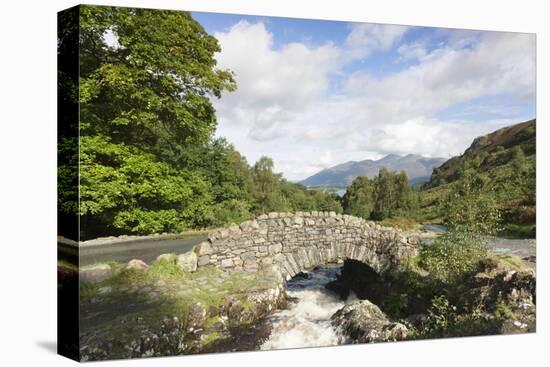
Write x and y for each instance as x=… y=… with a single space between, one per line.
x=48 y=345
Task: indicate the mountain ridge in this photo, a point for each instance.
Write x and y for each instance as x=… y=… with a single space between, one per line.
x=417 y=167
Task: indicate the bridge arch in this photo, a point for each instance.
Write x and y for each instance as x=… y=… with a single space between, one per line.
x=294 y=242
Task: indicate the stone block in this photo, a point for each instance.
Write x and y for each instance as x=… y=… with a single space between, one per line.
x=227 y=263
x=298 y=220
x=275 y=248
x=95 y=274
x=203 y=260
x=188 y=261
x=204 y=248
x=250 y=265
x=137 y=264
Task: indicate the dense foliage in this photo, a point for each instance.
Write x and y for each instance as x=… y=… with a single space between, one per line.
x=387 y=195
x=149 y=161
x=471 y=214
x=501 y=167
x=452 y=255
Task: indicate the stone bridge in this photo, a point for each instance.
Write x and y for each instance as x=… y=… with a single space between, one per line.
x=295 y=242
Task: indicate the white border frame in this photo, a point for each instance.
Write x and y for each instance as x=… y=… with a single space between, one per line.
x=28 y=151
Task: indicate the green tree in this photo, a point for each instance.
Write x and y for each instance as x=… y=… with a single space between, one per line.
x=268 y=195
x=360 y=197
x=152 y=88
x=523 y=175
x=146 y=80
x=471 y=207
x=404 y=202
x=385 y=195
x=231 y=182
x=329 y=202
x=299 y=198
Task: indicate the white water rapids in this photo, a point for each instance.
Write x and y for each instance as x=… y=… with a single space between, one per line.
x=306 y=321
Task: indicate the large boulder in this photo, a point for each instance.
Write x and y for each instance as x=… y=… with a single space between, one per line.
x=364 y=322
x=137 y=264
x=95 y=273
x=188 y=261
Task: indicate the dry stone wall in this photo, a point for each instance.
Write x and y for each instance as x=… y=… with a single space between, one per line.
x=294 y=242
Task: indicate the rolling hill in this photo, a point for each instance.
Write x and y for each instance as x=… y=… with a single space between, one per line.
x=488 y=152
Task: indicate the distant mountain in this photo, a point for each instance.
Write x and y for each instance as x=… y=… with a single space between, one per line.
x=417 y=167
x=488 y=152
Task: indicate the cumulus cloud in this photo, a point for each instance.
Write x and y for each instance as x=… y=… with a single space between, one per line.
x=291 y=76
x=411 y=51
x=424 y=136
x=500 y=63
x=398 y=111
x=366 y=38
x=287 y=106
x=274 y=85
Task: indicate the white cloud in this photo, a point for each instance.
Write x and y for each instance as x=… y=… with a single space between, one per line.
x=425 y=136
x=366 y=38
x=288 y=77
x=411 y=51
x=285 y=106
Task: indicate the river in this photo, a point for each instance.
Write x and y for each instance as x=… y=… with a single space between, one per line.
x=143 y=249
x=520 y=247
x=306 y=320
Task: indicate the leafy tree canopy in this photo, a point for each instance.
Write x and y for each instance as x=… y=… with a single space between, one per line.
x=146 y=155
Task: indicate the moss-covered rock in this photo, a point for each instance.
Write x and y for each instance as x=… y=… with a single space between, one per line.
x=364 y=322
x=166 y=311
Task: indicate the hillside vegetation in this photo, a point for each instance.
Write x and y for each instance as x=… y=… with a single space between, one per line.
x=503 y=165
x=492 y=182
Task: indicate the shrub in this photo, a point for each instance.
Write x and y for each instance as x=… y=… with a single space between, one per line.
x=469 y=208
x=443 y=320
x=441 y=317
x=452 y=255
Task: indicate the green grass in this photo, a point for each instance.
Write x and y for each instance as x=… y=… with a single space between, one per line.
x=206 y=286
x=504 y=312
x=165 y=269
x=403 y=223
x=510 y=260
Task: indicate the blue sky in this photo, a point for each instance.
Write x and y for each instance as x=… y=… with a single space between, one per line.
x=315 y=93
